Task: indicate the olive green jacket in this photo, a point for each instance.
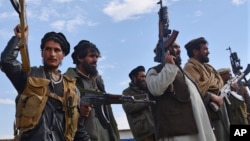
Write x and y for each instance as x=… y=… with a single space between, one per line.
x=139 y=115
x=93 y=126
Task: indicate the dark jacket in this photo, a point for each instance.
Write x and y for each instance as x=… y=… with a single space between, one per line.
x=139 y=115
x=52 y=122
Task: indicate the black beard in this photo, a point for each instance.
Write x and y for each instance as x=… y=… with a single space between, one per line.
x=177 y=59
x=141 y=85
x=91 y=70
x=204 y=59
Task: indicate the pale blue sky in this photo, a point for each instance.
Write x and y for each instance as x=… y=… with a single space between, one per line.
x=126 y=32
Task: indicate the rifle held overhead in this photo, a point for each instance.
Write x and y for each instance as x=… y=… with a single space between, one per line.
x=166 y=36
x=20 y=7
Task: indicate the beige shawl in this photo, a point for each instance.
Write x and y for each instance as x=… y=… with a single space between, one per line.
x=205 y=76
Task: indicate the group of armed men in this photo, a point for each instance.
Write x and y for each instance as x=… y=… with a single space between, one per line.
x=50 y=106
x=189 y=102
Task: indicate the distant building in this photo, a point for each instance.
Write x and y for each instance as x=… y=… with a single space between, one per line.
x=126 y=135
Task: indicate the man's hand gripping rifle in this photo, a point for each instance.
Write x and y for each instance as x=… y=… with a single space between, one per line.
x=226 y=91
x=19 y=6
x=100 y=100
x=165 y=39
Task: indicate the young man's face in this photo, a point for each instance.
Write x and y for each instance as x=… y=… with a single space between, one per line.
x=52 y=54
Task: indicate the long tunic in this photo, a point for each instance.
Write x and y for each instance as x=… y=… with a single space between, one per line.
x=209 y=80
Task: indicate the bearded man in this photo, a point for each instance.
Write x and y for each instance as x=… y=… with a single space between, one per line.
x=139 y=115
x=209 y=83
x=85 y=56
x=179 y=113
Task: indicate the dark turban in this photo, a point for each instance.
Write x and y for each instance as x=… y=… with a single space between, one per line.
x=81 y=50
x=135 y=71
x=195 y=43
x=57 y=37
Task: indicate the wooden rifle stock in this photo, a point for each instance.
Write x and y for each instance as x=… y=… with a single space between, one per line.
x=19 y=6
x=170 y=40
x=165 y=39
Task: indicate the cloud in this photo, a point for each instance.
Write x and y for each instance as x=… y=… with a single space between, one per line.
x=60 y=24
x=71 y=20
x=122 y=40
x=102 y=58
x=46 y=13
x=129 y=9
x=198 y=13
x=6 y=15
x=72 y=23
x=7 y=101
x=124 y=83
x=59 y=15
x=103 y=68
x=238 y=2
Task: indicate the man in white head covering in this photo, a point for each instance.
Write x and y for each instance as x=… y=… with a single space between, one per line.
x=237 y=110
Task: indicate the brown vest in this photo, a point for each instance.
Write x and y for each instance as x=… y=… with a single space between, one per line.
x=173 y=114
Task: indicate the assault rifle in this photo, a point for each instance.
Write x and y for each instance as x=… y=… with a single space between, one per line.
x=19 y=6
x=235 y=61
x=100 y=100
x=165 y=39
x=236 y=67
x=226 y=89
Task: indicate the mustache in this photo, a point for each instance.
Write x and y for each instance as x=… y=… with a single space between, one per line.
x=93 y=63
